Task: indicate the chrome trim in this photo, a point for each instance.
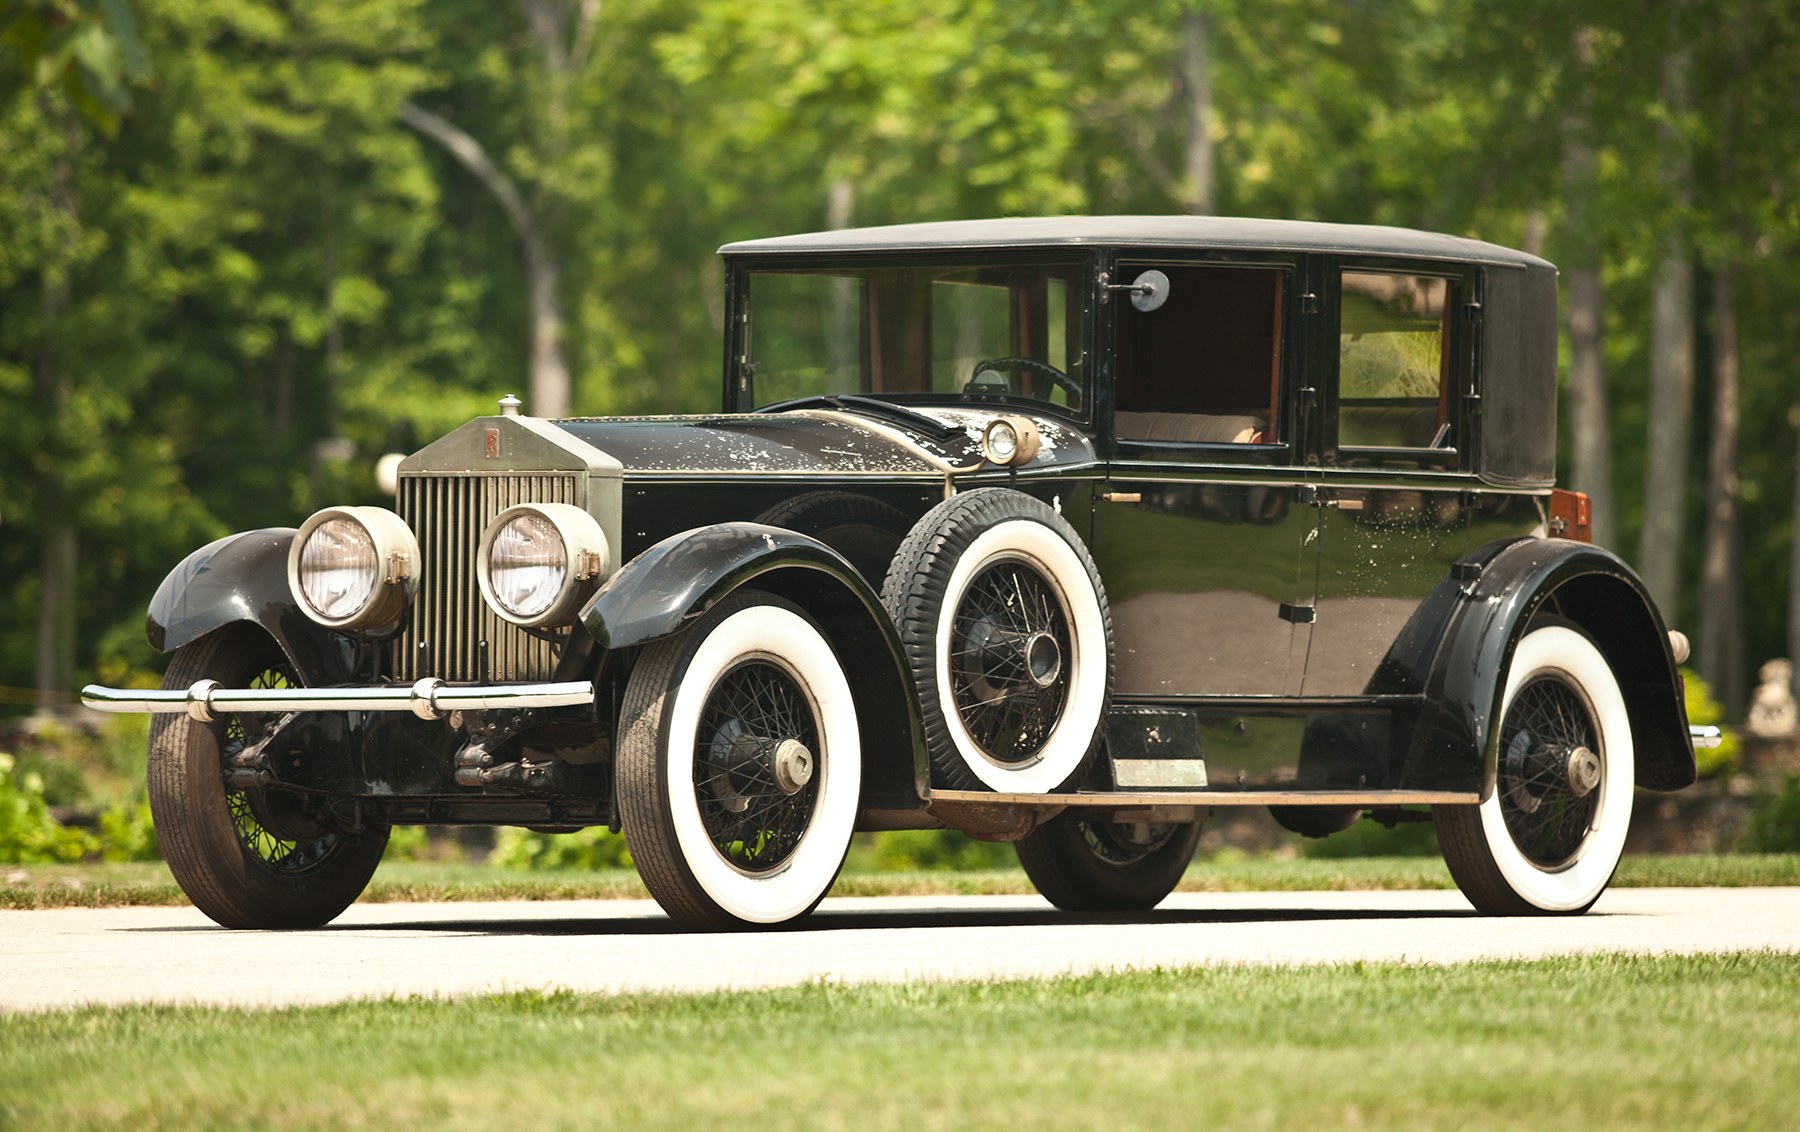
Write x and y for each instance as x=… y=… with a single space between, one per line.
x=1705 y=735
x=429 y=698
x=453 y=634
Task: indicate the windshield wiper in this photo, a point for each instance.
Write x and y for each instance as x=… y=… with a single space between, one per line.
x=872 y=407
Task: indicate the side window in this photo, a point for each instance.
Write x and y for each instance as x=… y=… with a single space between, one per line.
x=1205 y=366
x=1393 y=361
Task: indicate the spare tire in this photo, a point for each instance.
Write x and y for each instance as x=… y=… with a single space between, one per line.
x=866 y=531
x=1009 y=639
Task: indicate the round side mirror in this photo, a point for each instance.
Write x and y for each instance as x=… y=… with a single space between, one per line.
x=1150 y=290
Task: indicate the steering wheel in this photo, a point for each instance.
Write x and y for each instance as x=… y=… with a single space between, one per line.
x=1042 y=369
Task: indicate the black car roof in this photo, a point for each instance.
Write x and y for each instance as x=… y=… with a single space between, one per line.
x=1195 y=232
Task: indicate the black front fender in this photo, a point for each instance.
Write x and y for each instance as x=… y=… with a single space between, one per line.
x=243 y=578
x=1511 y=583
x=662 y=590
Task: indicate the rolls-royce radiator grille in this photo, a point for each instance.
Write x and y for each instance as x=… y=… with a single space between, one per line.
x=452 y=633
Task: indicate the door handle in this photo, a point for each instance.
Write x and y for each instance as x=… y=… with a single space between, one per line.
x=1122 y=496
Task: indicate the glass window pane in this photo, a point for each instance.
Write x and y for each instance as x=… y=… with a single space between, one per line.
x=1392 y=363
x=916 y=333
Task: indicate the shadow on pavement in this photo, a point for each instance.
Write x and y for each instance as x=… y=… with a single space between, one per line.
x=897 y=920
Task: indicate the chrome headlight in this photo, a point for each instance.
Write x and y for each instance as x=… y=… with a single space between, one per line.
x=1009 y=441
x=538 y=560
x=353 y=567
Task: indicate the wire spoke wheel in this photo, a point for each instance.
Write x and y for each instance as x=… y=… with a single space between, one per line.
x=1007 y=632
x=1010 y=635
x=740 y=765
x=1549 y=819
x=256 y=858
x=1084 y=865
x=1549 y=836
x=754 y=811
x=1122 y=844
x=254 y=812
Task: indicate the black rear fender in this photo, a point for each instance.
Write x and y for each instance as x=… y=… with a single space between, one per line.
x=1508 y=587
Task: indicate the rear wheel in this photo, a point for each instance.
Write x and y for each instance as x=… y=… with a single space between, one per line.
x=739 y=766
x=1549 y=838
x=1098 y=866
x=259 y=858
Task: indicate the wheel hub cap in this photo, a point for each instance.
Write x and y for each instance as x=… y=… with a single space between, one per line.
x=1583 y=771
x=1043 y=659
x=793 y=766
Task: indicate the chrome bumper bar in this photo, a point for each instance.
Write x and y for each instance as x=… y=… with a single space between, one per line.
x=1705 y=736
x=430 y=698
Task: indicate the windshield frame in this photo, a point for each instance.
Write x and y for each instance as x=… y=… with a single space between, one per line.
x=1085 y=260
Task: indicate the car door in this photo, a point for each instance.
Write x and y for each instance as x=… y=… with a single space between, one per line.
x=1196 y=527
x=1391 y=507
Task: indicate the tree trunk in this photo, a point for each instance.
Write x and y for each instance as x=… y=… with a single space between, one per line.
x=844 y=349
x=549 y=392
x=1590 y=415
x=1671 y=373
x=58 y=558
x=1721 y=644
x=1196 y=77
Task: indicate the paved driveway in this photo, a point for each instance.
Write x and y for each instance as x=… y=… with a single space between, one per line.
x=65 y=957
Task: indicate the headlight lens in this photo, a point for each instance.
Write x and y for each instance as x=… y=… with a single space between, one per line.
x=538 y=560
x=338 y=570
x=353 y=567
x=1009 y=441
x=527 y=565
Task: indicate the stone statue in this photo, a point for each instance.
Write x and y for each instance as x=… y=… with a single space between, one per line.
x=1772 y=712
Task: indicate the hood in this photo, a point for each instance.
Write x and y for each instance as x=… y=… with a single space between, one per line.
x=823 y=442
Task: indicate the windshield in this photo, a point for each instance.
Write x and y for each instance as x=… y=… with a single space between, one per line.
x=916 y=334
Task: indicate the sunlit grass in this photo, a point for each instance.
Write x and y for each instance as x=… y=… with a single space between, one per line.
x=1587 y=1042
x=149 y=883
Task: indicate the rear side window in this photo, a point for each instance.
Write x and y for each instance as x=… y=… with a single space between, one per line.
x=1393 y=361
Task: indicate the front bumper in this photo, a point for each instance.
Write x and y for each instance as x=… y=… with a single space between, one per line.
x=429 y=698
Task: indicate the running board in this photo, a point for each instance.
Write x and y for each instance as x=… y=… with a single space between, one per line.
x=1363 y=799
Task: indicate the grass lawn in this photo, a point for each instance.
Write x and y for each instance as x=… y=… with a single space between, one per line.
x=1590 y=1042
x=104 y=885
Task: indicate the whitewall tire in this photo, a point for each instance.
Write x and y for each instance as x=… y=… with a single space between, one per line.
x=1550 y=836
x=1009 y=639
x=739 y=768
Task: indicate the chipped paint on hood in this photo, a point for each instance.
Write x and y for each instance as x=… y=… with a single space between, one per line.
x=809 y=442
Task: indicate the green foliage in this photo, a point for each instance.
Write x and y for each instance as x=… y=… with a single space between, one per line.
x=29 y=834
x=1713 y=762
x=928 y=850
x=593 y=848
x=90 y=50
x=1368 y=838
x=407 y=843
x=127 y=833
x=1775 y=827
x=218 y=318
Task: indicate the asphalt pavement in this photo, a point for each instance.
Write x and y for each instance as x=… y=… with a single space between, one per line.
x=67 y=957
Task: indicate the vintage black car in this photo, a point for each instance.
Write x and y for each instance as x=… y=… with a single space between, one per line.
x=1061 y=532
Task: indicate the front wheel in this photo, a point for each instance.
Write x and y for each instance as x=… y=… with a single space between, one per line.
x=1098 y=866
x=259 y=858
x=739 y=766
x=1549 y=838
